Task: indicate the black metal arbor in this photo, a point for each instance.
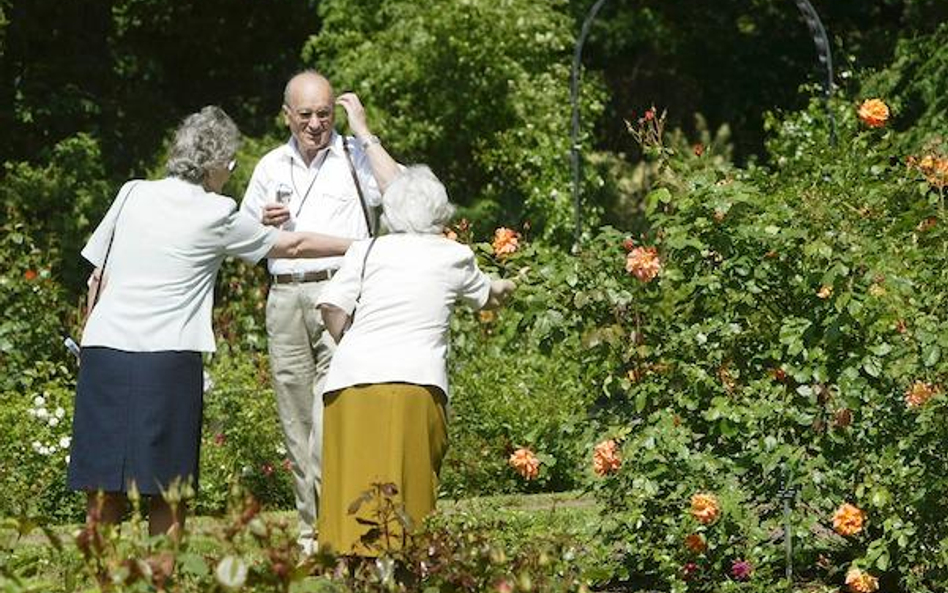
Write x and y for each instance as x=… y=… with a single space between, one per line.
x=824 y=56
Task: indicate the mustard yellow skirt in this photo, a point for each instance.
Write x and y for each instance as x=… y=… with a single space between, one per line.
x=389 y=433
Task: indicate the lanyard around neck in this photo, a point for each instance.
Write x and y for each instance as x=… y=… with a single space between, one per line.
x=311 y=183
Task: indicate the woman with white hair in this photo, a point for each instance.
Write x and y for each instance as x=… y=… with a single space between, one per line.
x=387 y=388
x=157 y=251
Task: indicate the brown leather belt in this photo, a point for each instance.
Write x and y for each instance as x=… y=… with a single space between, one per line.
x=300 y=277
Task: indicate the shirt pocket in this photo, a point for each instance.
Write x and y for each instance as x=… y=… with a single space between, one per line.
x=338 y=203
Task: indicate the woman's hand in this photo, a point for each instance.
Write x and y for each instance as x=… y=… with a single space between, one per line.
x=500 y=290
x=336 y=321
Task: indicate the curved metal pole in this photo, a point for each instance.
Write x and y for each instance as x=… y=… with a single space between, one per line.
x=574 y=132
x=824 y=54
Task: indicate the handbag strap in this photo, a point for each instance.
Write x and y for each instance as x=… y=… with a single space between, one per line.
x=355 y=179
x=108 y=249
x=365 y=260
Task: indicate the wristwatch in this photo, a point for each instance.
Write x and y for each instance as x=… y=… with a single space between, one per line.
x=368 y=141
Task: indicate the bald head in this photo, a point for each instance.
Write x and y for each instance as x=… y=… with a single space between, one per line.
x=308 y=103
x=307 y=79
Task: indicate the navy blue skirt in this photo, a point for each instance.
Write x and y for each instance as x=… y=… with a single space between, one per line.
x=137 y=420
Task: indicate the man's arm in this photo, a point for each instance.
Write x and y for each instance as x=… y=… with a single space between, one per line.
x=295 y=245
x=383 y=166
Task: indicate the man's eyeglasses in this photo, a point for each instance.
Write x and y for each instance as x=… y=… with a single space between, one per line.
x=320 y=114
x=231 y=165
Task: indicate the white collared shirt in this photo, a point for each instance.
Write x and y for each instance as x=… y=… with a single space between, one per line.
x=400 y=329
x=332 y=205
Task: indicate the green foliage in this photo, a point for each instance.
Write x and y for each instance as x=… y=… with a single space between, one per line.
x=731 y=61
x=61 y=202
x=242 y=441
x=35 y=386
x=506 y=144
x=126 y=71
x=916 y=85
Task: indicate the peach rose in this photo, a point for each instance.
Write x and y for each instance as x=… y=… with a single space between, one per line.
x=874 y=113
x=506 y=241
x=643 y=263
x=525 y=462
x=919 y=393
x=705 y=508
x=606 y=458
x=695 y=542
x=848 y=519
x=935 y=170
x=860 y=581
x=486 y=316
x=825 y=291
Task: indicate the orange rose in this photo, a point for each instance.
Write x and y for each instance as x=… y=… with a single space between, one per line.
x=606 y=458
x=848 y=519
x=919 y=393
x=705 y=508
x=934 y=168
x=643 y=263
x=30 y=275
x=449 y=234
x=927 y=224
x=525 y=462
x=874 y=113
x=506 y=241
x=860 y=581
x=695 y=542
x=486 y=316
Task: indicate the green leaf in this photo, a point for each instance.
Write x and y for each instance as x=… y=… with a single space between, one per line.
x=931 y=355
x=882 y=562
x=872 y=366
x=193 y=564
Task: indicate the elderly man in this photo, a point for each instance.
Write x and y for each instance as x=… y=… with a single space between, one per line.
x=323 y=182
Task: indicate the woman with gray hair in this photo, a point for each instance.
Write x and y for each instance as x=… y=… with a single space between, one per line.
x=387 y=388
x=157 y=251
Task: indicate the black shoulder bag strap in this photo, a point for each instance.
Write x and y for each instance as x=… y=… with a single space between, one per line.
x=355 y=179
x=108 y=250
x=365 y=260
x=358 y=298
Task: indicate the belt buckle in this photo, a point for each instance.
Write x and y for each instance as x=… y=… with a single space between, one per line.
x=297 y=276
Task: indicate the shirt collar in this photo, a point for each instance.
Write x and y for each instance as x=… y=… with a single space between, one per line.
x=335 y=147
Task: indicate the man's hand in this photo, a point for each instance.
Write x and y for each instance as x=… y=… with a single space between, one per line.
x=275 y=214
x=355 y=113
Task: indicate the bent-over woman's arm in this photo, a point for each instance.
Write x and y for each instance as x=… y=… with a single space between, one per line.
x=335 y=319
x=499 y=291
x=294 y=245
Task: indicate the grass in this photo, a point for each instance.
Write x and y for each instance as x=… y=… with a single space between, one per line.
x=512 y=519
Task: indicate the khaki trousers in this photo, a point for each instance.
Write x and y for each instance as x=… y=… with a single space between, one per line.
x=300 y=351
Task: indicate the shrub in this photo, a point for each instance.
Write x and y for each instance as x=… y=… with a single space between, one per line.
x=795 y=324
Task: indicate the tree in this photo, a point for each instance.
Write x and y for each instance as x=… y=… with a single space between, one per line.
x=477 y=89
